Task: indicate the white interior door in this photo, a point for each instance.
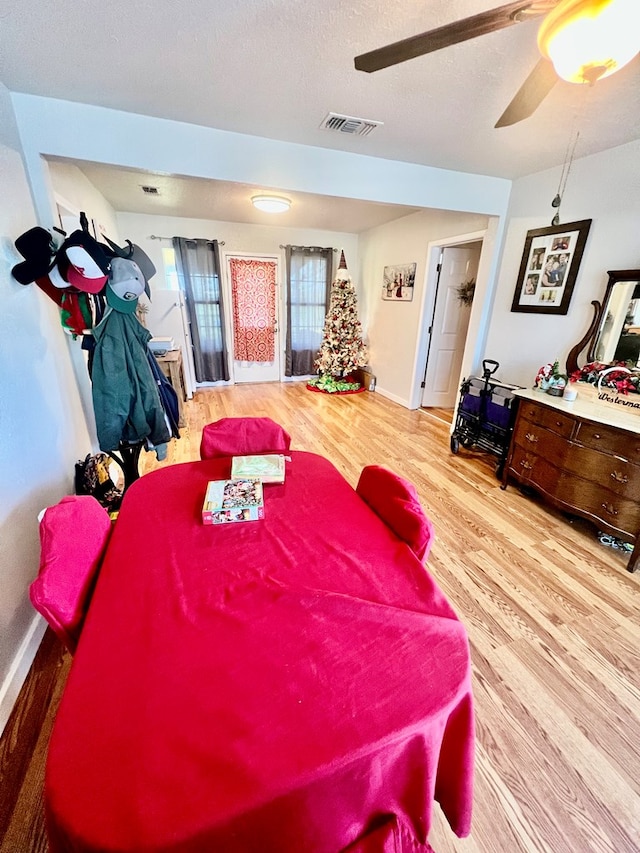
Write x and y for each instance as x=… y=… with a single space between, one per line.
x=255 y=334
x=449 y=326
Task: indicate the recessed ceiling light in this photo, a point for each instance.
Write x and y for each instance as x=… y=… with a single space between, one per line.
x=271 y=203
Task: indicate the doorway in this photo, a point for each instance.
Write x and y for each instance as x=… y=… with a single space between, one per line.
x=449 y=324
x=255 y=335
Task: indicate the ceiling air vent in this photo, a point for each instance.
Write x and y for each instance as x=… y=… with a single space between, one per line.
x=150 y=190
x=349 y=124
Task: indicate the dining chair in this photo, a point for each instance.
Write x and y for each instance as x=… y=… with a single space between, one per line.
x=395 y=500
x=242 y=437
x=73 y=537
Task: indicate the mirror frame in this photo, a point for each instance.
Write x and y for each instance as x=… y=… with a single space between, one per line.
x=591 y=336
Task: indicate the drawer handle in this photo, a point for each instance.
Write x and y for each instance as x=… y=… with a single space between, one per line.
x=610 y=509
x=526 y=465
x=531 y=437
x=558 y=423
x=619 y=477
x=597 y=436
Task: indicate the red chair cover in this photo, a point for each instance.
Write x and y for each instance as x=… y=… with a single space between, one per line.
x=73 y=536
x=243 y=436
x=396 y=502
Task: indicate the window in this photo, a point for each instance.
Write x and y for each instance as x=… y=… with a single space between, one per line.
x=308 y=286
x=170 y=271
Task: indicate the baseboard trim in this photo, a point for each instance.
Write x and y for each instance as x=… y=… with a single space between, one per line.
x=393 y=397
x=20 y=667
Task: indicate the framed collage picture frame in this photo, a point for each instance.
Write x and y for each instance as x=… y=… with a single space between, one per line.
x=549 y=267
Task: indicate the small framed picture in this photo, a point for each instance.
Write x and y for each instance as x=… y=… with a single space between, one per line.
x=398 y=281
x=549 y=267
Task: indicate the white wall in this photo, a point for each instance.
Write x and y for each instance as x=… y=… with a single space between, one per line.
x=394 y=327
x=79 y=131
x=76 y=189
x=164 y=314
x=604 y=188
x=42 y=426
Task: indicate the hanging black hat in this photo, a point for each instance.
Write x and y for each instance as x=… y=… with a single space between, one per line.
x=37 y=248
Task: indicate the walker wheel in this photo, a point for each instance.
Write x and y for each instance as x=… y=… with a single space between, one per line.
x=455 y=444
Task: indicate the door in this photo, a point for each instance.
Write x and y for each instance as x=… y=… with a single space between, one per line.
x=254 y=322
x=449 y=325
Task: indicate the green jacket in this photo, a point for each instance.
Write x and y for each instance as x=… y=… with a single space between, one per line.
x=126 y=401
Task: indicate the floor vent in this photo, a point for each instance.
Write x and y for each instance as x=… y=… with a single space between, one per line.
x=349 y=124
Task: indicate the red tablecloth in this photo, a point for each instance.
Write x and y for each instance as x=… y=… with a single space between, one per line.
x=279 y=686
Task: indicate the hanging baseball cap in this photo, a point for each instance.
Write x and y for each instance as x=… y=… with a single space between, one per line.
x=133 y=252
x=88 y=264
x=126 y=283
x=57 y=279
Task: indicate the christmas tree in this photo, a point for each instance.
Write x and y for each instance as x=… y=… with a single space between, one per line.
x=342 y=349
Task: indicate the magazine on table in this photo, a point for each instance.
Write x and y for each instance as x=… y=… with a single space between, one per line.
x=266 y=468
x=229 y=501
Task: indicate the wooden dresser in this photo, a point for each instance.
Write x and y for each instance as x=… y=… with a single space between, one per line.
x=583 y=457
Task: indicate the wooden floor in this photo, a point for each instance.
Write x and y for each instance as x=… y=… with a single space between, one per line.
x=552 y=615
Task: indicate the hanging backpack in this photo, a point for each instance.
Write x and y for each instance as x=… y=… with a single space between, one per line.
x=93 y=478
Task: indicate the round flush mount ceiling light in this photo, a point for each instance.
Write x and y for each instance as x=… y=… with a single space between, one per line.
x=271 y=203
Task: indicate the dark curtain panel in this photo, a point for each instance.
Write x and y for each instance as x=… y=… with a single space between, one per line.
x=309 y=271
x=198 y=267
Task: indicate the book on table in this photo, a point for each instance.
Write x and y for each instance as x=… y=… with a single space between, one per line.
x=229 y=501
x=266 y=468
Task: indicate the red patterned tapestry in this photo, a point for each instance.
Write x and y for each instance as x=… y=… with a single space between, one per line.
x=253 y=285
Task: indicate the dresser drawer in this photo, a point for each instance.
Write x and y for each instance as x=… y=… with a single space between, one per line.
x=596 y=501
x=534 y=470
x=548 y=418
x=610 y=440
x=610 y=472
x=536 y=439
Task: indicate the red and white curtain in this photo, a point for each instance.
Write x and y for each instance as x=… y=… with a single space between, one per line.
x=253 y=285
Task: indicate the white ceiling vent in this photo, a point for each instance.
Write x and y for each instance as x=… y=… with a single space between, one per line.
x=349 y=124
x=148 y=190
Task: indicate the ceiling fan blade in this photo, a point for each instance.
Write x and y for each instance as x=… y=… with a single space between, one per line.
x=530 y=95
x=458 y=31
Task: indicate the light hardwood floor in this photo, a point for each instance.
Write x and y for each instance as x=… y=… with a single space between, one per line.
x=552 y=617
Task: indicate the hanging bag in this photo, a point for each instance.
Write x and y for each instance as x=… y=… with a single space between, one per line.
x=92 y=477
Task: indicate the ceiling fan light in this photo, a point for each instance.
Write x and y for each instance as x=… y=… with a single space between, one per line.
x=590 y=39
x=271 y=203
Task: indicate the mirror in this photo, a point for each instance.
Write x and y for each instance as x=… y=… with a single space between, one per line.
x=614 y=334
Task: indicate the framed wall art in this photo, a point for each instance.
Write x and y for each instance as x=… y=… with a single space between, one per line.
x=398 y=281
x=549 y=266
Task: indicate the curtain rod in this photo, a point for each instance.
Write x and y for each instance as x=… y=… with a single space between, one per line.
x=319 y=248
x=191 y=239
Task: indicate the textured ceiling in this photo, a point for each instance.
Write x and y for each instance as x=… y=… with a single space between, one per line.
x=274 y=68
x=231 y=202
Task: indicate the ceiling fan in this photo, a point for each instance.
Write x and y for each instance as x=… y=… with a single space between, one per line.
x=580 y=41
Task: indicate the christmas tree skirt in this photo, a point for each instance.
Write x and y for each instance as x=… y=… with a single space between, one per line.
x=326 y=391
x=329 y=385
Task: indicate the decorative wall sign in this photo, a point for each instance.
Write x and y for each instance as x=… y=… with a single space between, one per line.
x=398 y=282
x=549 y=267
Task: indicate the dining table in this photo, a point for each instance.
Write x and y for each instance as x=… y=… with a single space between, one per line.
x=294 y=684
